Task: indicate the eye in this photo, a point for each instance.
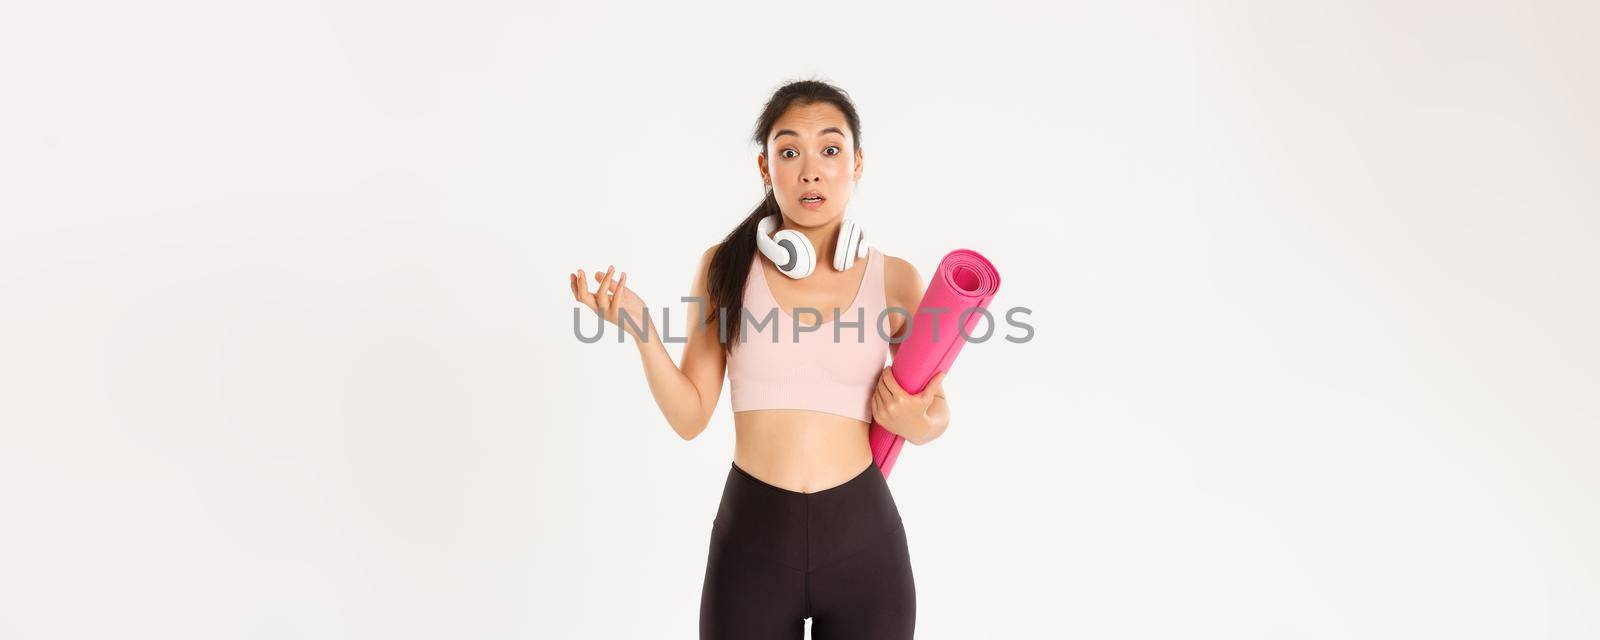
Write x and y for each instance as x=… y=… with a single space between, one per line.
x=785 y=153
x=836 y=151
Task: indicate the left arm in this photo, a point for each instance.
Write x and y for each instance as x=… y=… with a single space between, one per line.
x=919 y=418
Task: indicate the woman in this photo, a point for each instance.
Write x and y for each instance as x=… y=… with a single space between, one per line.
x=807 y=526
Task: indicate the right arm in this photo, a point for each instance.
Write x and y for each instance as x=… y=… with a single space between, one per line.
x=687 y=395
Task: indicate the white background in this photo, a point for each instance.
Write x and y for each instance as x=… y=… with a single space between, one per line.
x=286 y=345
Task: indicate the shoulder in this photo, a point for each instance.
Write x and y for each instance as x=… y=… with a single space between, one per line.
x=902 y=283
x=897 y=270
x=703 y=267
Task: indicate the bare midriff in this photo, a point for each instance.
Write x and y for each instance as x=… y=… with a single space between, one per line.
x=798 y=450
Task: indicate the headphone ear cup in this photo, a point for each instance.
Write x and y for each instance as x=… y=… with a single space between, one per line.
x=802 y=257
x=848 y=246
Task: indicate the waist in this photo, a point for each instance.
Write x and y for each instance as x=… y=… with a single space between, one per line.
x=801 y=451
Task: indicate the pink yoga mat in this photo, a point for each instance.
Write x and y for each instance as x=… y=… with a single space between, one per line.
x=965 y=280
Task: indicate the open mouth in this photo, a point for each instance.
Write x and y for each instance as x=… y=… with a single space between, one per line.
x=812 y=198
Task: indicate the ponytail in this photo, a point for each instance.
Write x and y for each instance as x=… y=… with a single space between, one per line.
x=729 y=271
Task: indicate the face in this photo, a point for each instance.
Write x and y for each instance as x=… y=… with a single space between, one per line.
x=812 y=163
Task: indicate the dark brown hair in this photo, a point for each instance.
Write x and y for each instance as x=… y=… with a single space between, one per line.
x=730 y=264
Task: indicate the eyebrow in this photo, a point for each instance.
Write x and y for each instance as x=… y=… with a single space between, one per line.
x=784 y=132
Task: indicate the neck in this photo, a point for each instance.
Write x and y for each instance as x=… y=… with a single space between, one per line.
x=823 y=237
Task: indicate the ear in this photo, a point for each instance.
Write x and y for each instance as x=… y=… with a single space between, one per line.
x=761 y=167
x=858 y=163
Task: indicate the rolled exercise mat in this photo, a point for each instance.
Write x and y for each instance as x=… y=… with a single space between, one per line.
x=965 y=280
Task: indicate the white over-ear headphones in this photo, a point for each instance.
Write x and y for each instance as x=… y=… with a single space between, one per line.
x=793 y=254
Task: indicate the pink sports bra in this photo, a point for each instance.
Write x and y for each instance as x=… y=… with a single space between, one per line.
x=817 y=373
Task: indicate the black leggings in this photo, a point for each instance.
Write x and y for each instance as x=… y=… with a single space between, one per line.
x=837 y=556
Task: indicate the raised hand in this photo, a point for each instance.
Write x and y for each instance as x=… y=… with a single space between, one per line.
x=612 y=300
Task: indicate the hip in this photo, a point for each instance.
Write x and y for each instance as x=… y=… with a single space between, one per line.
x=808 y=530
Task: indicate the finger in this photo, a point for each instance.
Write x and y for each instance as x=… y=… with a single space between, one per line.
x=583 y=291
x=616 y=296
x=894 y=385
x=611 y=287
x=882 y=394
x=600 y=296
x=577 y=286
x=935 y=386
x=891 y=387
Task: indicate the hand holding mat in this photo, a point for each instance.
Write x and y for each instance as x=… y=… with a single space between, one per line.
x=964 y=282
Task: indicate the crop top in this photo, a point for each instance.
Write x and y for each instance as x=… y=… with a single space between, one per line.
x=817 y=373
